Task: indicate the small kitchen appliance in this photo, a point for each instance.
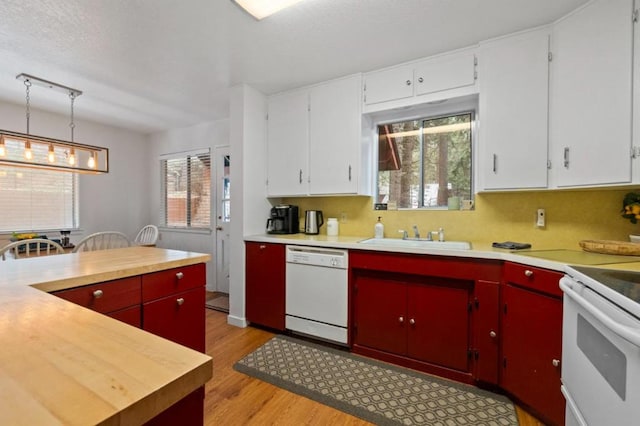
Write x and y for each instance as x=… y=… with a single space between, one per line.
x=313 y=221
x=283 y=220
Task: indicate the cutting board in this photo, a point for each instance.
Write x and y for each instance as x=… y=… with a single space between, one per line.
x=611 y=247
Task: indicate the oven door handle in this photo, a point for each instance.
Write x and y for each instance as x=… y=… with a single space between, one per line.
x=629 y=334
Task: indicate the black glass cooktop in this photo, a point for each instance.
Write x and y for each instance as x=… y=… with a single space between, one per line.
x=626 y=283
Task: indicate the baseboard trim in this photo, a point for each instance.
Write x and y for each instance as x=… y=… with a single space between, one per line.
x=237 y=321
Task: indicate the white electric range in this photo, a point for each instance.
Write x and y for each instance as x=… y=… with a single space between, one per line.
x=601 y=346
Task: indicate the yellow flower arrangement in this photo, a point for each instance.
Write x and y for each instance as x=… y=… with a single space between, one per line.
x=631 y=207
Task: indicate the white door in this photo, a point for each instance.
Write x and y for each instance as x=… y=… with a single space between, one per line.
x=223 y=216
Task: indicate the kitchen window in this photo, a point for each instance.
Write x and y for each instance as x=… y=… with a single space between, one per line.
x=37 y=199
x=186 y=187
x=423 y=162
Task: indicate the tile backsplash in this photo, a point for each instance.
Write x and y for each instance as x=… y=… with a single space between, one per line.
x=571 y=216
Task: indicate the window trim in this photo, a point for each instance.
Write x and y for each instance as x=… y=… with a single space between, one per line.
x=427 y=111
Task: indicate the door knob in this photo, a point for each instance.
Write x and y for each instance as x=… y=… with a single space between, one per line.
x=401 y=320
x=528 y=273
x=555 y=362
x=179 y=275
x=492 y=334
x=218 y=228
x=98 y=294
x=180 y=301
x=412 y=321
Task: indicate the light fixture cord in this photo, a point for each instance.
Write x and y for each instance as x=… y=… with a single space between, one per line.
x=27 y=84
x=72 y=125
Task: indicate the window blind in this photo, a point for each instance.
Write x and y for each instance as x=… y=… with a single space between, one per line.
x=37 y=200
x=186 y=183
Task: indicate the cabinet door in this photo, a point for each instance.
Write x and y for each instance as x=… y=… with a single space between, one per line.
x=591 y=95
x=131 y=316
x=438 y=318
x=179 y=317
x=531 y=345
x=486 y=326
x=288 y=144
x=444 y=73
x=335 y=137
x=265 y=284
x=380 y=314
x=389 y=85
x=514 y=79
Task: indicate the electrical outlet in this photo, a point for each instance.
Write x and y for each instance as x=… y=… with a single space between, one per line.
x=541 y=218
x=343 y=217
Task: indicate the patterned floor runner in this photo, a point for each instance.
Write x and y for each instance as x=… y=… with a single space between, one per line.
x=374 y=391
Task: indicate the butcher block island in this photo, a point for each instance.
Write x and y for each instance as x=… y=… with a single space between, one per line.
x=66 y=360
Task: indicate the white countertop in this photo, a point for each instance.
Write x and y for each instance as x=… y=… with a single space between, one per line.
x=548 y=259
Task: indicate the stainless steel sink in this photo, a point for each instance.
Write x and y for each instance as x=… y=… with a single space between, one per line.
x=418 y=243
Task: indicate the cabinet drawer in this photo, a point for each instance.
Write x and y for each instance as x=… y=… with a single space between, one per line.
x=179 y=318
x=163 y=283
x=537 y=279
x=105 y=297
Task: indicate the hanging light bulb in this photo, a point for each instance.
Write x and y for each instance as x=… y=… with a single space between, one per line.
x=92 y=161
x=28 y=154
x=52 y=155
x=3 y=148
x=72 y=157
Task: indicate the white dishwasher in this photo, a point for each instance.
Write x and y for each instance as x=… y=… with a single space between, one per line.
x=316 y=292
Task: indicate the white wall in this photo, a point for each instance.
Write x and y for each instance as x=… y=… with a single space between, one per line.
x=205 y=135
x=248 y=131
x=111 y=202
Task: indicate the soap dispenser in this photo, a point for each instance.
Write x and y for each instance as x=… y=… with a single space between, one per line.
x=379 y=229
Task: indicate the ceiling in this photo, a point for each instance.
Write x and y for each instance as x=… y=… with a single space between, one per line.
x=151 y=65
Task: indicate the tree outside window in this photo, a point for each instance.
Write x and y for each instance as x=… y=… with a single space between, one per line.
x=421 y=163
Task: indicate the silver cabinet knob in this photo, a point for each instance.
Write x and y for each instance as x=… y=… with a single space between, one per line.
x=98 y=294
x=528 y=273
x=180 y=301
x=555 y=362
x=492 y=334
x=420 y=80
x=408 y=82
x=412 y=321
x=179 y=275
x=401 y=320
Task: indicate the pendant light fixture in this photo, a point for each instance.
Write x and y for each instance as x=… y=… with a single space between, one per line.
x=27 y=150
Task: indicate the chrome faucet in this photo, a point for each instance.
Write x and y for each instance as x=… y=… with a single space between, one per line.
x=404 y=234
x=416 y=233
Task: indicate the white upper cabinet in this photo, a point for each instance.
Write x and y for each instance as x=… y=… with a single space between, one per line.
x=514 y=84
x=314 y=140
x=334 y=137
x=439 y=77
x=591 y=95
x=288 y=144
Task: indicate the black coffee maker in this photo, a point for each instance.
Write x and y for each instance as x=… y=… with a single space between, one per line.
x=283 y=220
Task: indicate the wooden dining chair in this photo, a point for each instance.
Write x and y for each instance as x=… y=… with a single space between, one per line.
x=33 y=247
x=102 y=241
x=148 y=236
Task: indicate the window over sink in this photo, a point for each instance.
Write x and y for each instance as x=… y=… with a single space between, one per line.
x=424 y=161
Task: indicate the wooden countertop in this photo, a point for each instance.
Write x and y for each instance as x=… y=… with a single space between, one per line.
x=63 y=364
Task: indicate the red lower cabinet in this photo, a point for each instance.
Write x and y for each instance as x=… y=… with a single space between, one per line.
x=186 y=412
x=486 y=331
x=427 y=321
x=532 y=341
x=179 y=317
x=265 y=286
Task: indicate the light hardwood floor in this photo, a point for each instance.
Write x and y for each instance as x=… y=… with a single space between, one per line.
x=233 y=398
